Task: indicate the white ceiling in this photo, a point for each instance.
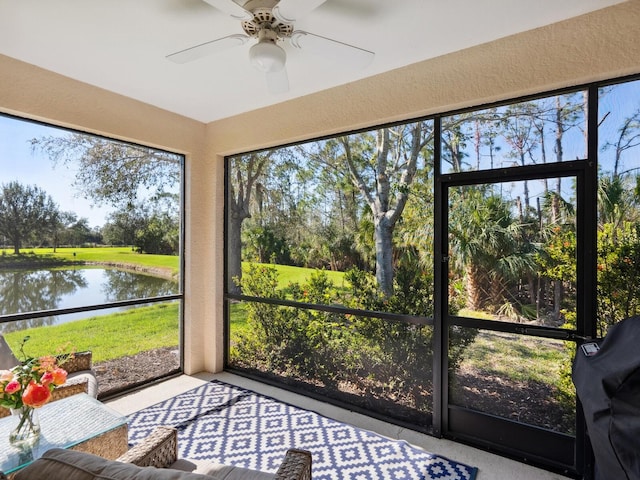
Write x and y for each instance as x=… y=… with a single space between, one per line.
x=121 y=45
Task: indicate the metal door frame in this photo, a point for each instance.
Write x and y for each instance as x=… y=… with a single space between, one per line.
x=552 y=450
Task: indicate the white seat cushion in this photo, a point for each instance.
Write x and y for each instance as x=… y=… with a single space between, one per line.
x=89 y=376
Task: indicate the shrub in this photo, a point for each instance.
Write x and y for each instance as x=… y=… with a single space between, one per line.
x=379 y=356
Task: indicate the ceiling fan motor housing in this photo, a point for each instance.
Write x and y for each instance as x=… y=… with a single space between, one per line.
x=263 y=19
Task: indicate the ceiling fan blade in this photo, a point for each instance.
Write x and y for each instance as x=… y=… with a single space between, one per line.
x=288 y=11
x=209 y=48
x=343 y=52
x=278 y=82
x=231 y=8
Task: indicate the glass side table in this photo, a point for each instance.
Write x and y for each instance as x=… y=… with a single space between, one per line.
x=79 y=422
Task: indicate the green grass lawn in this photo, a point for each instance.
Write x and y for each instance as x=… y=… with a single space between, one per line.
x=107 y=336
x=238 y=318
x=114 y=255
x=516 y=357
x=125 y=255
x=288 y=274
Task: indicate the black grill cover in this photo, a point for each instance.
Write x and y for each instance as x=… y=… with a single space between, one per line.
x=608 y=385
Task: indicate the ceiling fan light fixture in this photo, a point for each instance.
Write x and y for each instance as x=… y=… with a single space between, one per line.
x=267 y=57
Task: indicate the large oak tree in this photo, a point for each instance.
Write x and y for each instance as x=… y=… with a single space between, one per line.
x=25 y=210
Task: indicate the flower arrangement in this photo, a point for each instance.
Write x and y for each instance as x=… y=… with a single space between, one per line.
x=28 y=386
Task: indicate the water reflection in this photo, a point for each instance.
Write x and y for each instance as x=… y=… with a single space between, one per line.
x=125 y=285
x=36 y=290
x=26 y=291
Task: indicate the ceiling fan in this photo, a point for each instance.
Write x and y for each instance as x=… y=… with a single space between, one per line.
x=271 y=23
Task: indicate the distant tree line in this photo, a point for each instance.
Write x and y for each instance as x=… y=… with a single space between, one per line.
x=140 y=182
x=29 y=217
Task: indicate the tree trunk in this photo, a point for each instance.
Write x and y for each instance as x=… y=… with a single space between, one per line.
x=234 y=252
x=558 y=291
x=533 y=292
x=384 y=255
x=474 y=290
x=538 y=298
x=496 y=290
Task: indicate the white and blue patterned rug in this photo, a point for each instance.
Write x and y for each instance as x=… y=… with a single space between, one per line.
x=232 y=425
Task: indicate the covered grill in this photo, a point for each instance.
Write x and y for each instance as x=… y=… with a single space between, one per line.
x=606 y=374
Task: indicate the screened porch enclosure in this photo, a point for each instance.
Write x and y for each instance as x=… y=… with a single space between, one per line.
x=439 y=273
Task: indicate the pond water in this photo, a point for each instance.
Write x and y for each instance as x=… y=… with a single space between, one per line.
x=31 y=290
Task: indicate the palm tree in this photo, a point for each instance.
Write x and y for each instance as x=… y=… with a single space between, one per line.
x=488 y=245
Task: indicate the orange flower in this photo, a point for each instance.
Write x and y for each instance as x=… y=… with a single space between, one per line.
x=59 y=376
x=36 y=395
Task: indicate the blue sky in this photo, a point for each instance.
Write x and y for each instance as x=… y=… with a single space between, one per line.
x=619 y=102
x=19 y=163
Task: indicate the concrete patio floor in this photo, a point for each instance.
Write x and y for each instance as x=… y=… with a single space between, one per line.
x=491 y=467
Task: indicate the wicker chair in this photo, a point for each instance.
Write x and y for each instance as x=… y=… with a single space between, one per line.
x=81 y=378
x=160 y=449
